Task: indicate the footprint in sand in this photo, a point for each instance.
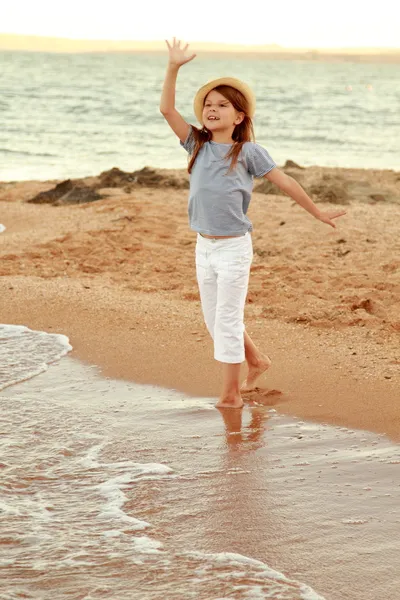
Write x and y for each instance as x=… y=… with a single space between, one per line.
x=263 y=396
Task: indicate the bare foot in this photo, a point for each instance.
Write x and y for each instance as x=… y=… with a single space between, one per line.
x=235 y=402
x=255 y=371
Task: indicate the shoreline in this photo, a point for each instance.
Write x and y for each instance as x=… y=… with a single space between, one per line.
x=308 y=498
x=312 y=387
x=116 y=275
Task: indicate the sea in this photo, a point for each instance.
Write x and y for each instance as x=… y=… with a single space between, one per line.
x=74 y=115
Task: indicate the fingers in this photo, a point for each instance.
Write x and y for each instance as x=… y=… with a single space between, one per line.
x=339 y=214
x=176 y=44
x=329 y=216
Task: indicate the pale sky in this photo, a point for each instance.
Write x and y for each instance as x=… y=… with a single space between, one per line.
x=289 y=23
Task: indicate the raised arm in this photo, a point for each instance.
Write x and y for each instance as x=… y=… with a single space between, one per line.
x=177 y=58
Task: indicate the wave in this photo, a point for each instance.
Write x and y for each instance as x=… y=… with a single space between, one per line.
x=25 y=353
x=24 y=153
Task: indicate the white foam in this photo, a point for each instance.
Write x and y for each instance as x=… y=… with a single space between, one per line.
x=354 y=521
x=113 y=533
x=25 y=353
x=146 y=545
x=258 y=571
x=90 y=460
x=8 y=509
x=112 y=489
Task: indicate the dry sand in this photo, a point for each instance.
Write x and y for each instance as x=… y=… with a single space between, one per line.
x=117 y=276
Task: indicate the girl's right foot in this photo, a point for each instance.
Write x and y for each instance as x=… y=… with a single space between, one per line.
x=255 y=371
x=235 y=402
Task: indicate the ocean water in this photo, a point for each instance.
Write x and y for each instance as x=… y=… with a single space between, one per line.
x=112 y=490
x=73 y=115
x=25 y=353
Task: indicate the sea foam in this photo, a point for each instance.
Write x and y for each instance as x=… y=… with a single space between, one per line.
x=25 y=353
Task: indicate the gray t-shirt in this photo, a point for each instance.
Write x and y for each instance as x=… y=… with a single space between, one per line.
x=218 y=200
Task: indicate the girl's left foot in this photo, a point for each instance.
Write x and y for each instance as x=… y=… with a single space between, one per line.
x=255 y=371
x=235 y=402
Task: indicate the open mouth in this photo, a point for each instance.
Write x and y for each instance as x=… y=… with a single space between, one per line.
x=212 y=118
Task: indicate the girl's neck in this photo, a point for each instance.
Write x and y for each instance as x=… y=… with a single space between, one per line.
x=220 y=137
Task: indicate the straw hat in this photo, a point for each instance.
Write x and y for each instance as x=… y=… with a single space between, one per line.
x=231 y=81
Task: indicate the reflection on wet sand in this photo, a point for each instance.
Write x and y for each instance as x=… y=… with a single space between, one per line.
x=248 y=437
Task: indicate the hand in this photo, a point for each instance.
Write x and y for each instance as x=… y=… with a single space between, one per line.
x=177 y=55
x=327 y=217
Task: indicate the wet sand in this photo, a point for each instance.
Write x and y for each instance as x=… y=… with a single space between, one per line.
x=317 y=503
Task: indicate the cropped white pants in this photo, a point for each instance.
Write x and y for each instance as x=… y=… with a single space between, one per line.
x=223 y=269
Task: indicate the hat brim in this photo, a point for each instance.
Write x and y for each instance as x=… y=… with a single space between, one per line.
x=242 y=87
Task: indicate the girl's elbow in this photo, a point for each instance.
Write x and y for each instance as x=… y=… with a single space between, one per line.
x=165 y=111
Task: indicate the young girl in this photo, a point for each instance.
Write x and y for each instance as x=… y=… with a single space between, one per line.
x=223 y=162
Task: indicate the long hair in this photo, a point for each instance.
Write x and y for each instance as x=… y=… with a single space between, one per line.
x=242 y=133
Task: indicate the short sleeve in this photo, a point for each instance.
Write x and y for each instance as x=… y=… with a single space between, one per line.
x=190 y=141
x=259 y=162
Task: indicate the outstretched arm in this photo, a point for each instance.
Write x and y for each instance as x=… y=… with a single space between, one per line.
x=177 y=58
x=291 y=187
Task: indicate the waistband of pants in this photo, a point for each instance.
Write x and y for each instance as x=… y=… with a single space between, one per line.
x=228 y=241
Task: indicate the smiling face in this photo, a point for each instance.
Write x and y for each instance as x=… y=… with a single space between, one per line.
x=219 y=113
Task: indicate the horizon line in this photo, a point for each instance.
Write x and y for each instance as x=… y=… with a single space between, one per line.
x=154 y=45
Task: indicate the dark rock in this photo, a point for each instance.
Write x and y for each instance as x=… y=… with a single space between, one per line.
x=290 y=164
x=149 y=177
x=145 y=177
x=330 y=189
x=78 y=195
x=152 y=178
x=115 y=178
x=54 y=194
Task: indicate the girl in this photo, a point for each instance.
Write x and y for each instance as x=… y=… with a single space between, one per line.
x=223 y=161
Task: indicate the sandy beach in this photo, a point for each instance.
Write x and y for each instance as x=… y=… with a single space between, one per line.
x=108 y=261
x=116 y=274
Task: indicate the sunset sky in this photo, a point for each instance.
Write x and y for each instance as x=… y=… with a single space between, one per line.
x=309 y=23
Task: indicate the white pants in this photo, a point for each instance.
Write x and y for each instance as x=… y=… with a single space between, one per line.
x=223 y=269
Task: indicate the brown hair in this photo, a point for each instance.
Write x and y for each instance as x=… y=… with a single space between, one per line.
x=242 y=133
